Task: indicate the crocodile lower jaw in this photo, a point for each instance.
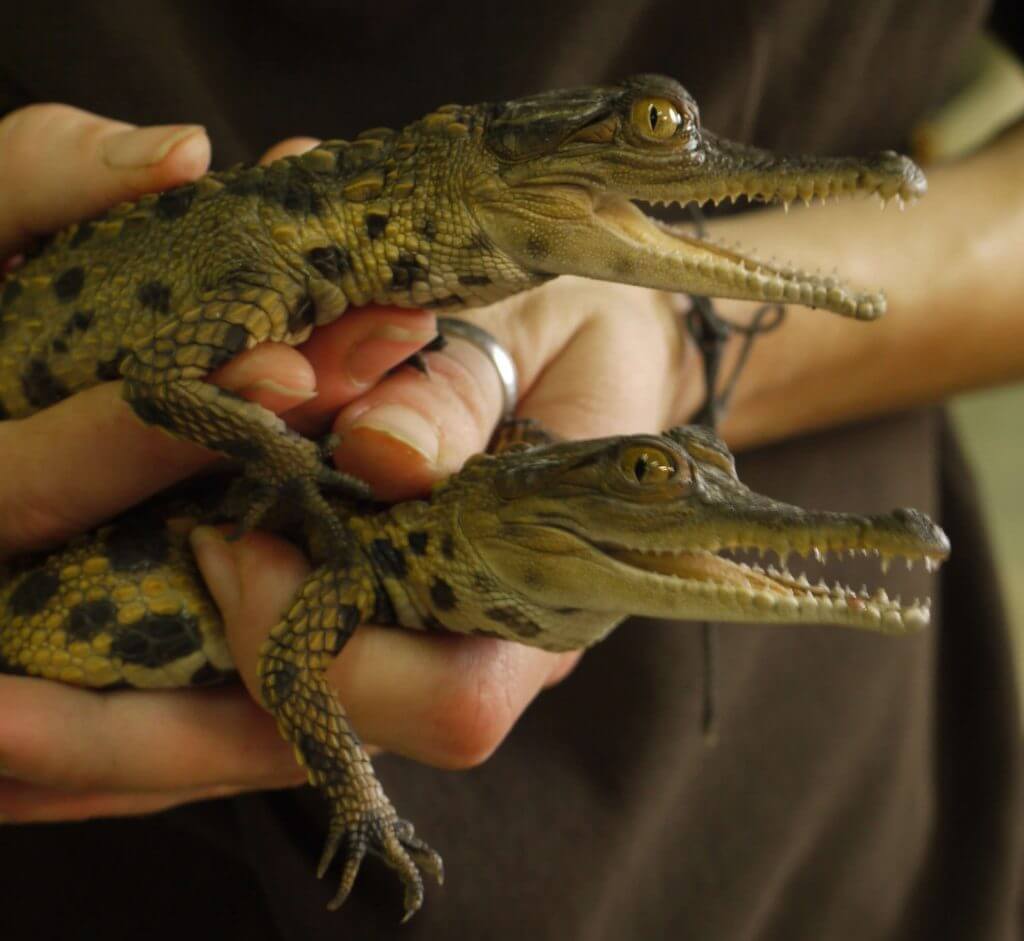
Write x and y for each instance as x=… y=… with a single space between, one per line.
x=726 y=271
x=777 y=594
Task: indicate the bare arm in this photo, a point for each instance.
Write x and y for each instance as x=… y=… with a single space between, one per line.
x=953 y=268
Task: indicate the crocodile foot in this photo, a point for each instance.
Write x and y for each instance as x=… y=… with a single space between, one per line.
x=380 y=831
x=300 y=488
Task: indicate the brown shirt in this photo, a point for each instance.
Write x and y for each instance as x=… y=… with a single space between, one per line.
x=862 y=787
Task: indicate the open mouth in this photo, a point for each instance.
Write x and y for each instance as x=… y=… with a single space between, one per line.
x=731 y=272
x=776 y=593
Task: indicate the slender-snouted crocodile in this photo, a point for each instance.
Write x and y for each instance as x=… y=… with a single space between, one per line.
x=550 y=546
x=468 y=205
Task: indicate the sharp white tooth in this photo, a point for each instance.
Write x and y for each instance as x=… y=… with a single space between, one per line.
x=787 y=605
x=930 y=564
x=818 y=555
x=802 y=581
x=882 y=596
x=821 y=584
x=885 y=560
x=915 y=618
x=910 y=565
x=892 y=619
x=864 y=592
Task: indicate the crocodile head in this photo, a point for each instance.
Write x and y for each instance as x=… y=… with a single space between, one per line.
x=574 y=536
x=556 y=194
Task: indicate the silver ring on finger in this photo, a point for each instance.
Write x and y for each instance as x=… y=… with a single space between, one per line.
x=501 y=359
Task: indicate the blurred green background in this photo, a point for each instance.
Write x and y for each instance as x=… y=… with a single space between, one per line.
x=991 y=426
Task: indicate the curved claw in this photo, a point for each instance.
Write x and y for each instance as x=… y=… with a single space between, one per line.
x=396 y=844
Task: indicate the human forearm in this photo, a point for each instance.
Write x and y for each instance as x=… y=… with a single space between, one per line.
x=951 y=267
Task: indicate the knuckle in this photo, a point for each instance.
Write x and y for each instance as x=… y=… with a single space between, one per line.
x=23 y=130
x=477 y=709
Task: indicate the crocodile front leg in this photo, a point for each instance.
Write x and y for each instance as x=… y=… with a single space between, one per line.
x=292 y=662
x=165 y=387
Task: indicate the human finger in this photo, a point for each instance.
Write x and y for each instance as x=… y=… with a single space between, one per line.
x=60 y=164
x=58 y=736
x=444 y=699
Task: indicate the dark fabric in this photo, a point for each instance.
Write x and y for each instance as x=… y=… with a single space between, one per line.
x=862 y=787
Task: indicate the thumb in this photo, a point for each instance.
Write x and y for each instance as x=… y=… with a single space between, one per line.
x=59 y=164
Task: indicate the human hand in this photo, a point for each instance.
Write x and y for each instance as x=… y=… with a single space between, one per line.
x=67 y=752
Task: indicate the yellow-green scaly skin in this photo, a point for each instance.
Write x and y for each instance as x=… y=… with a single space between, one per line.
x=551 y=546
x=461 y=208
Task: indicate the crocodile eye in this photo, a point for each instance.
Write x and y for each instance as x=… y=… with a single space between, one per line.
x=643 y=464
x=655 y=118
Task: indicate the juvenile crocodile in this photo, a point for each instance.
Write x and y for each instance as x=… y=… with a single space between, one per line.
x=551 y=546
x=468 y=205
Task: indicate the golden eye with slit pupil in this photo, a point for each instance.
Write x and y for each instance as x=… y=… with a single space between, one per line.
x=644 y=465
x=656 y=118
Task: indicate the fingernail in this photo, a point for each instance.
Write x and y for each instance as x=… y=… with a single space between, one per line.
x=404 y=425
x=289 y=392
x=145 y=146
x=216 y=562
x=374 y=354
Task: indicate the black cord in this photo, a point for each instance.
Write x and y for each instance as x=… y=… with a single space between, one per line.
x=711 y=331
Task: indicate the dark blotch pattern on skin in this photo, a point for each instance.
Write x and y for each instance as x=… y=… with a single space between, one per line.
x=442 y=594
x=107 y=370
x=175 y=203
x=82 y=234
x=282 y=680
x=448 y=547
x=78 y=322
x=235 y=339
x=68 y=285
x=41 y=387
x=59 y=346
x=316 y=756
x=418 y=542
x=429 y=229
x=376 y=224
x=330 y=261
x=474 y=280
x=406 y=270
x=349 y=622
x=536 y=247
x=286 y=184
x=87 y=619
x=136 y=545
x=208 y=675
x=302 y=315
x=516 y=621
x=431 y=623
x=387 y=558
x=239 y=449
x=154 y=295
x=383 y=609
x=452 y=300
x=12 y=291
x=4 y=414
x=152 y=413
x=33 y=592
x=157 y=640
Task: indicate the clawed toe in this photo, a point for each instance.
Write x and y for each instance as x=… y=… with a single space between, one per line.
x=395 y=843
